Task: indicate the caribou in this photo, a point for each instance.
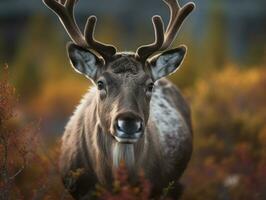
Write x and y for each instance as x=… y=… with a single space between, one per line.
x=132 y=114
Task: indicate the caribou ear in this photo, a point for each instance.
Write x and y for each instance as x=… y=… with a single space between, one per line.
x=167 y=62
x=84 y=61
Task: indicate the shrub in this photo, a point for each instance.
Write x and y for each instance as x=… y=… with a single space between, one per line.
x=229 y=162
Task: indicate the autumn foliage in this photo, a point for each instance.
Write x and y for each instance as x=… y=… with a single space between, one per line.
x=26 y=172
x=123 y=190
x=17 y=142
x=229 y=160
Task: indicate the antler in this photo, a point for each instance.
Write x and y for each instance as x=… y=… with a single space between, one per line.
x=163 y=40
x=64 y=9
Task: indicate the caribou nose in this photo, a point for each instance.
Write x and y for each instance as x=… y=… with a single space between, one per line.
x=129 y=125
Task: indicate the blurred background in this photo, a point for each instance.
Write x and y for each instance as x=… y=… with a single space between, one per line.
x=223 y=78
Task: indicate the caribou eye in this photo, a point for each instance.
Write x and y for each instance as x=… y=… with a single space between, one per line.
x=150 y=87
x=100 y=85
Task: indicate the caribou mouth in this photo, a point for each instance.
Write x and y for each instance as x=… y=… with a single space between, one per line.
x=123 y=137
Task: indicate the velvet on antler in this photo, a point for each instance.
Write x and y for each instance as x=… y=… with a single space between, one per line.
x=164 y=39
x=64 y=9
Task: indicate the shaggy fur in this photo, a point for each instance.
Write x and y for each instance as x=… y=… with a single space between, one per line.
x=163 y=152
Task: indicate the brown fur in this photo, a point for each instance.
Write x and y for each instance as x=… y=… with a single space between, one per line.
x=88 y=141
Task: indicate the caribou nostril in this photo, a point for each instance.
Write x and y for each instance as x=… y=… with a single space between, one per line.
x=129 y=126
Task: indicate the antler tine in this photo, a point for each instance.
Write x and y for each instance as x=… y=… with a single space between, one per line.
x=107 y=51
x=145 y=51
x=69 y=4
x=64 y=9
x=65 y=12
x=177 y=16
x=174 y=7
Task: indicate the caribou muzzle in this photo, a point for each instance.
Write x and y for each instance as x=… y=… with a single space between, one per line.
x=128 y=128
